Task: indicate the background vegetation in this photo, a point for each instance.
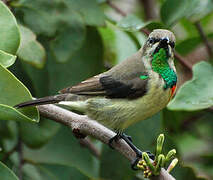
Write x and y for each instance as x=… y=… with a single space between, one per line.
x=46 y=45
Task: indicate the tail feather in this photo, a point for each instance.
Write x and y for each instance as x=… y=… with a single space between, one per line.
x=42 y=101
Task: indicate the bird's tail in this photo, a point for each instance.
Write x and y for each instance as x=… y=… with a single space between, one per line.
x=42 y=101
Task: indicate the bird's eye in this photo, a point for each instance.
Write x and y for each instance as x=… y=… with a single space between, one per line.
x=172 y=44
x=151 y=40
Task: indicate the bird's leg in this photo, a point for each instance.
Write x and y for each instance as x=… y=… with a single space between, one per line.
x=114 y=138
x=128 y=140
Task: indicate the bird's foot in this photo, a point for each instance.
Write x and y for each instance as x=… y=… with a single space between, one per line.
x=128 y=140
x=114 y=138
x=118 y=136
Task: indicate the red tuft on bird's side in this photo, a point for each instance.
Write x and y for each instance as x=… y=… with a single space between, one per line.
x=172 y=91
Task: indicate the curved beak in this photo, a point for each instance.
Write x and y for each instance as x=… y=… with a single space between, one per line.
x=162 y=44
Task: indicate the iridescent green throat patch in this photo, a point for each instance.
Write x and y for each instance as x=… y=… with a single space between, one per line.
x=160 y=65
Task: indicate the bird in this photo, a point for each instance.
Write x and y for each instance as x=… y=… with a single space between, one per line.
x=129 y=92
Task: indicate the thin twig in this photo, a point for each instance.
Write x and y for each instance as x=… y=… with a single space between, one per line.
x=150 y=9
x=183 y=61
x=113 y=6
x=86 y=126
x=5 y=1
x=145 y=31
x=204 y=38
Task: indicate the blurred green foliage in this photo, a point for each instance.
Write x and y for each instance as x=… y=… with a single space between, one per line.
x=51 y=44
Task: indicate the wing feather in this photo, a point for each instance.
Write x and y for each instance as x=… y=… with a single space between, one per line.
x=115 y=83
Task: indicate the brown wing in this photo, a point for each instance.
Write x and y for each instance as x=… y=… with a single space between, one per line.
x=110 y=87
x=91 y=86
x=122 y=81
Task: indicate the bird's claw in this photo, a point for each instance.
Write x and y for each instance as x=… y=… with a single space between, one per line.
x=128 y=140
x=117 y=137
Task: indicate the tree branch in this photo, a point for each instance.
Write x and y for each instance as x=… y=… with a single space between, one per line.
x=183 y=61
x=117 y=9
x=204 y=38
x=86 y=126
x=150 y=10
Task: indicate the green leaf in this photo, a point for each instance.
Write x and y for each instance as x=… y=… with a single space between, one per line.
x=49 y=17
x=30 y=50
x=133 y=23
x=86 y=62
x=178 y=117
x=10 y=37
x=43 y=17
x=6 y=173
x=118 y=44
x=191 y=146
x=188 y=45
x=12 y=92
x=69 y=40
x=201 y=9
x=39 y=84
x=173 y=10
x=37 y=135
x=184 y=172
x=38 y=20
x=189 y=28
x=5 y=130
x=31 y=172
x=114 y=166
x=90 y=11
x=57 y=171
x=155 y=25
x=64 y=149
x=195 y=94
x=6 y=59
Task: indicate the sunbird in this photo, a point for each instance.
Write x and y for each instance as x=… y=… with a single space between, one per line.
x=131 y=91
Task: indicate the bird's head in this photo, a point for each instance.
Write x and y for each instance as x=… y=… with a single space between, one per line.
x=157 y=40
